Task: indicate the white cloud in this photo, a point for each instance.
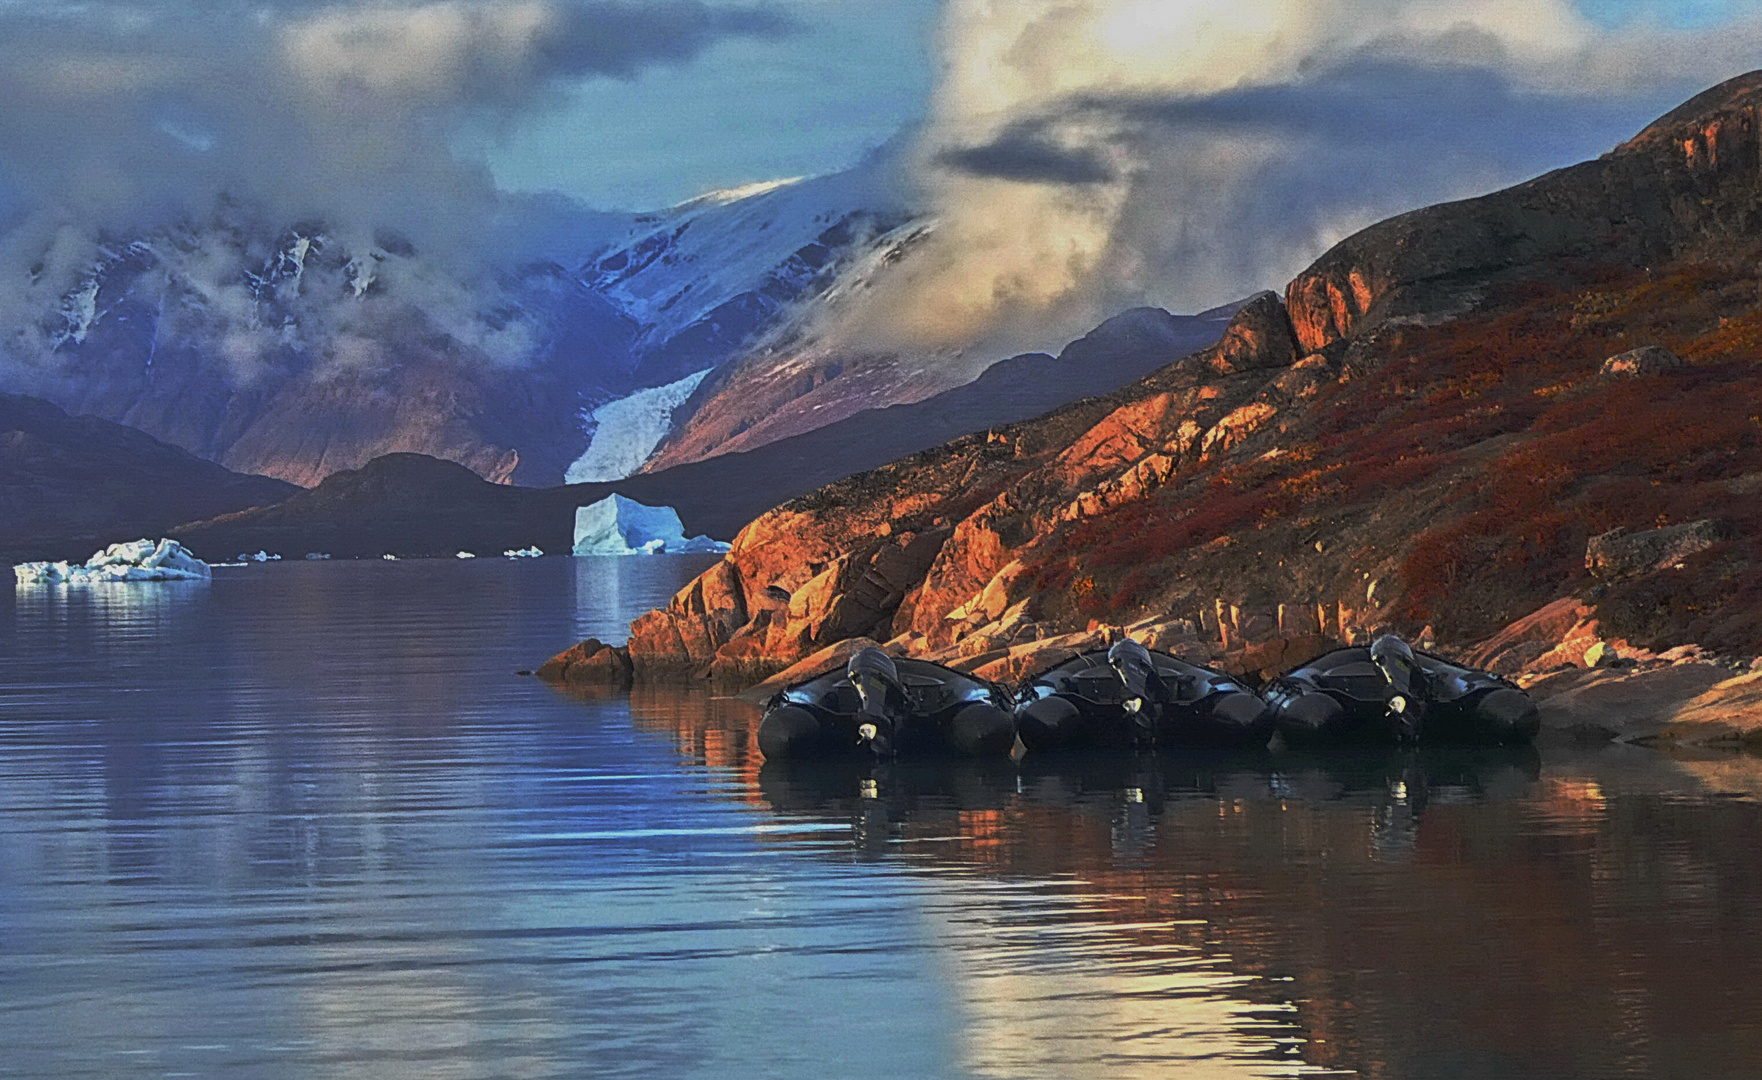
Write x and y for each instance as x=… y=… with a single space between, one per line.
x=1082 y=155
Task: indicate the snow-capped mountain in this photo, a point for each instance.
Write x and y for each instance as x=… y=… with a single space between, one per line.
x=295 y=351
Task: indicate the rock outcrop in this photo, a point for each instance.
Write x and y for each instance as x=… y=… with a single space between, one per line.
x=1645 y=360
x=588 y=663
x=1621 y=552
x=1417 y=438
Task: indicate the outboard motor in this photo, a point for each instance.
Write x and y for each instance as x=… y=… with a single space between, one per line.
x=1407 y=691
x=1128 y=697
x=876 y=678
x=880 y=706
x=1131 y=662
x=1391 y=693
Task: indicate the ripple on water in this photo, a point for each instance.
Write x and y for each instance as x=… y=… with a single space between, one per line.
x=304 y=821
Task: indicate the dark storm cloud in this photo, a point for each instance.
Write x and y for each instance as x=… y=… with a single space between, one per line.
x=1221 y=194
x=1026 y=153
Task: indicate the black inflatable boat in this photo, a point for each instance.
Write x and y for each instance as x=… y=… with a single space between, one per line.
x=1391 y=693
x=1130 y=697
x=887 y=707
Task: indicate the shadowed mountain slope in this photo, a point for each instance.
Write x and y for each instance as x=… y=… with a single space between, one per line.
x=411 y=504
x=72 y=484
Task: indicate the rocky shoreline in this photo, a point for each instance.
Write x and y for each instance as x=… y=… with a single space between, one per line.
x=1590 y=690
x=1522 y=430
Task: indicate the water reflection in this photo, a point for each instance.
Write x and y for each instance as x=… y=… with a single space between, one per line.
x=307 y=822
x=1442 y=913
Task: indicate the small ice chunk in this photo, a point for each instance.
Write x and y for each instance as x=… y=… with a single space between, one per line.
x=465 y=555
x=315 y=556
x=619 y=526
x=523 y=553
x=138 y=560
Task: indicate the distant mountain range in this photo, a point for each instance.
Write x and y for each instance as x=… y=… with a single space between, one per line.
x=288 y=350
x=414 y=505
x=71 y=485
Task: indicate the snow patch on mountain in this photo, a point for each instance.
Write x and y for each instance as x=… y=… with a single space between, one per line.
x=619 y=526
x=623 y=433
x=678 y=265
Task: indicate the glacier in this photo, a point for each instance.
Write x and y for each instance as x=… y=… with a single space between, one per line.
x=626 y=431
x=138 y=560
x=619 y=526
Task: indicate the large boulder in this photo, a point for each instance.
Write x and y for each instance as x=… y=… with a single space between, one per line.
x=1259 y=336
x=1622 y=553
x=588 y=663
x=1645 y=360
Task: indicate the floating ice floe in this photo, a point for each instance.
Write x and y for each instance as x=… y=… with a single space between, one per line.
x=388 y=557
x=523 y=553
x=314 y=556
x=261 y=556
x=140 y=560
x=619 y=526
x=465 y=555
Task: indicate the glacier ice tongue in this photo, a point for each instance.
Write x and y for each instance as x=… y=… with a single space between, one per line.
x=138 y=560
x=626 y=431
x=619 y=526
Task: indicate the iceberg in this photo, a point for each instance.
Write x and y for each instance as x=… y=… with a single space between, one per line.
x=523 y=553
x=139 y=560
x=261 y=556
x=465 y=555
x=619 y=526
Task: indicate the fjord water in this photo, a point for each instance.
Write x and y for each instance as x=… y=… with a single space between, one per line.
x=305 y=821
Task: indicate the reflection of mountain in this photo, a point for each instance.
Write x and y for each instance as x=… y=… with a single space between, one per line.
x=1450 y=914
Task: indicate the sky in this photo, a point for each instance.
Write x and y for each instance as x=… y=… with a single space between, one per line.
x=1078 y=156
x=851 y=76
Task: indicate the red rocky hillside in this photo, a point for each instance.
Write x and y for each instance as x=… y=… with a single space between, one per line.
x=1427 y=430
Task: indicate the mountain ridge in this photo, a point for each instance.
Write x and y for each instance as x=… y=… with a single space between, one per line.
x=1422 y=433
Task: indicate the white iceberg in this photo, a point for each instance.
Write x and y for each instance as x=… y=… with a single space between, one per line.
x=523 y=553
x=619 y=526
x=465 y=555
x=261 y=556
x=139 y=560
x=388 y=557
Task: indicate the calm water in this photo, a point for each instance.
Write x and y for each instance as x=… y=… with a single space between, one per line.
x=306 y=822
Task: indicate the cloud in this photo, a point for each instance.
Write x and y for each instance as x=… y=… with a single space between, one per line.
x=1085 y=155
x=129 y=118
x=1025 y=152
x=351 y=112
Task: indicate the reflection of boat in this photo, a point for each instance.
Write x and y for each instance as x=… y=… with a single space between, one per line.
x=1129 y=696
x=912 y=789
x=1100 y=783
x=883 y=707
x=1390 y=693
